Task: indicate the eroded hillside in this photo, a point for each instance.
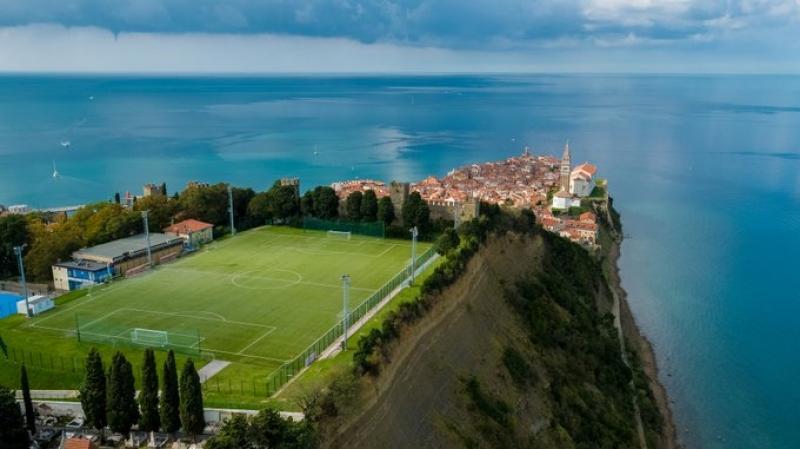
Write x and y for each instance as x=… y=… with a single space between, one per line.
x=520 y=351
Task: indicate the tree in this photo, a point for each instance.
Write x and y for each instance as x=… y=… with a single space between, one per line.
x=192 y=418
x=232 y=435
x=30 y=416
x=163 y=188
x=205 y=203
x=241 y=202
x=13 y=232
x=284 y=201
x=326 y=204
x=386 y=210
x=259 y=208
x=416 y=213
x=267 y=430
x=150 y=420
x=169 y=406
x=93 y=392
x=448 y=241
x=369 y=206
x=116 y=198
x=123 y=412
x=13 y=434
x=161 y=211
x=354 y=205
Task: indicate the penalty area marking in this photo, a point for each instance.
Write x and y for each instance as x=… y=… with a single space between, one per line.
x=289 y=282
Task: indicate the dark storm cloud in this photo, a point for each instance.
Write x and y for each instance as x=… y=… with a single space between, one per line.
x=446 y=23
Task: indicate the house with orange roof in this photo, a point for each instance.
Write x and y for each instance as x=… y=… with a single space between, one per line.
x=193 y=232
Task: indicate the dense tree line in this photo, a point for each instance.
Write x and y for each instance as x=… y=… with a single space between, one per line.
x=108 y=399
x=51 y=237
x=267 y=430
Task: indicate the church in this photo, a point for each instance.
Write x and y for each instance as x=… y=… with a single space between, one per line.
x=573 y=184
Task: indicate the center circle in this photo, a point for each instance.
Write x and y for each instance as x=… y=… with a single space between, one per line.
x=266 y=279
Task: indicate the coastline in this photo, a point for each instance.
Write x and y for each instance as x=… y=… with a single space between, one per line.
x=634 y=335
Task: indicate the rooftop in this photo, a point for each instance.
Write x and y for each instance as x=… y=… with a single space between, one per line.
x=186 y=226
x=87 y=265
x=129 y=245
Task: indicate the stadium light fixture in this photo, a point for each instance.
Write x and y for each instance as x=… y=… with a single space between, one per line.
x=345 y=301
x=18 y=251
x=147 y=236
x=230 y=209
x=414 y=234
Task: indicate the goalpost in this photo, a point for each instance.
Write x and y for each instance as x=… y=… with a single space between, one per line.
x=149 y=337
x=340 y=234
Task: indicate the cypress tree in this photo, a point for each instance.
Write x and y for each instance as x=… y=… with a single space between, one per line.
x=93 y=392
x=123 y=412
x=169 y=406
x=30 y=417
x=386 y=210
x=369 y=206
x=3 y=346
x=148 y=396
x=12 y=427
x=191 y=401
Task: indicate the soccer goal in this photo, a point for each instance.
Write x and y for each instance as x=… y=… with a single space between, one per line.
x=149 y=337
x=340 y=234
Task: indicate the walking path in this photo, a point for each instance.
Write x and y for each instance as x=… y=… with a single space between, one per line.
x=211 y=369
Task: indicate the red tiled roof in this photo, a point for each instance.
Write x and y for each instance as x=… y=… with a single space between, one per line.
x=78 y=443
x=188 y=226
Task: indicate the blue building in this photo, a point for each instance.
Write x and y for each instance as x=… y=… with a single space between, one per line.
x=77 y=274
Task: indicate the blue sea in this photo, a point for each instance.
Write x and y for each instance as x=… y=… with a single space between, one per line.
x=704 y=169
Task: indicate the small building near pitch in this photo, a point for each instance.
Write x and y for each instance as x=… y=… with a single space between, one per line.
x=36 y=304
x=77 y=274
x=193 y=232
x=116 y=258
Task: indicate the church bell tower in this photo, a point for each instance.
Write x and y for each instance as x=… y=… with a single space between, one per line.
x=566 y=168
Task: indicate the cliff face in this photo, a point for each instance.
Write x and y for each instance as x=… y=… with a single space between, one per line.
x=521 y=351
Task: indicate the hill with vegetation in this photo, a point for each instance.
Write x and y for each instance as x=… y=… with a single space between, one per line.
x=511 y=343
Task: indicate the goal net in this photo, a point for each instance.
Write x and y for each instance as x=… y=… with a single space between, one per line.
x=340 y=234
x=149 y=337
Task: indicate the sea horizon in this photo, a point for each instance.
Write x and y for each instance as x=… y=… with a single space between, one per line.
x=703 y=169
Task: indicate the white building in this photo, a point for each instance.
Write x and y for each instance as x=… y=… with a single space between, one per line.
x=563 y=200
x=581 y=180
x=37 y=304
x=19 y=209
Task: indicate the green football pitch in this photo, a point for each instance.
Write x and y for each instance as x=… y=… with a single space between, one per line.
x=263 y=295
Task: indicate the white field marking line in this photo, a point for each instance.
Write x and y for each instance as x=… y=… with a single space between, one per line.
x=99 y=319
x=79 y=303
x=386 y=250
x=241 y=351
x=268 y=278
x=222 y=318
x=271 y=359
x=245 y=274
x=243 y=323
x=328 y=239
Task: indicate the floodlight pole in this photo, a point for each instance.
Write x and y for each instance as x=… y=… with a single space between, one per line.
x=147 y=236
x=345 y=301
x=230 y=209
x=414 y=234
x=21 y=266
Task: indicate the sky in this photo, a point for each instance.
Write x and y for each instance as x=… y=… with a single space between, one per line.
x=330 y=36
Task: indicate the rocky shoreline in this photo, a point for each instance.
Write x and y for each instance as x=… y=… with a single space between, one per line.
x=643 y=347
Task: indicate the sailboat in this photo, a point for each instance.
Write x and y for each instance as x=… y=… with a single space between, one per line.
x=55 y=170
x=65 y=143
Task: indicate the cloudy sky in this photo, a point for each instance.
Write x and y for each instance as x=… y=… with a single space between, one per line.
x=253 y=36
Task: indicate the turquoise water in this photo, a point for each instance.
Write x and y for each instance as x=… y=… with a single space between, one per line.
x=705 y=171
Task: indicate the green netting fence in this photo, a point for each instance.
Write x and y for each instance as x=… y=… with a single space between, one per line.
x=310 y=354
x=373 y=229
x=127 y=331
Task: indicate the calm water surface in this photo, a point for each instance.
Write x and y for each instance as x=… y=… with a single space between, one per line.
x=705 y=171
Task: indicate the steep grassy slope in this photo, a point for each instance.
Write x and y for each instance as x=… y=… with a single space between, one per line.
x=520 y=351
